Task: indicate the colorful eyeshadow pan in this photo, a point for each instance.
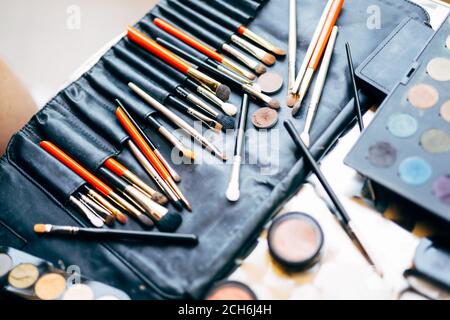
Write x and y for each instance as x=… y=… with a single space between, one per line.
x=382 y=155
x=23 y=276
x=402 y=125
x=445 y=111
x=441 y=189
x=5 y=264
x=231 y=290
x=435 y=141
x=295 y=241
x=415 y=171
x=79 y=292
x=423 y=96
x=439 y=69
x=50 y=287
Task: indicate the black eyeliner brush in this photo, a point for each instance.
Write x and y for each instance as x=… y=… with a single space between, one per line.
x=48 y=229
x=340 y=212
x=355 y=87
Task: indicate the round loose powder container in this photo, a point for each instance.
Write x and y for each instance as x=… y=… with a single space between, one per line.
x=402 y=125
x=445 y=111
x=23 y=276
x=79 y=292
x=435 y=141
x=50 y=287
x=382 y=154
x=441 y=189
x=423 y=96
x=415 y=171
x=5 y=264
x=231 y=290
x=295 y=241
x=439 y=69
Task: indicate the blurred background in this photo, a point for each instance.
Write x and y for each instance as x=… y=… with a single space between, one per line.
x=45 y=41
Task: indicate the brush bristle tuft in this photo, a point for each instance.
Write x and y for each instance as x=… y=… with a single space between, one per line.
x=146 y=221
x=170 y=222
x=223 y=92
x=269 y=59
x=260 y=69
x=40 y=228
x=274 y=104
x=279 y=52
x=159 y=198
x=291 y=99
x=227 y=122
x=229 y=109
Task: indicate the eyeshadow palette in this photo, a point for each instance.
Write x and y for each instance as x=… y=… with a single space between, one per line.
x=31 y=278
x=406 y=148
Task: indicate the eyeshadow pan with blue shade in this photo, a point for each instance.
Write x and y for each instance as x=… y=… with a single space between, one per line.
x=406 y=148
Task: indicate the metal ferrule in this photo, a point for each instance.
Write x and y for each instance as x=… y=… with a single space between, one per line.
x=233 y=66
x=259 y=40
x=172 y=139
x=246 y=60
x=125 y=204
x=167 y=165
x=211 y=123
x=247 y=46
x=203 y=105
x=137 y=181
x=61 y=230
x=233 y=74
x=203 y=78
x=208 y=94
x=257 y=94
x=105 y=203
x=153 y=209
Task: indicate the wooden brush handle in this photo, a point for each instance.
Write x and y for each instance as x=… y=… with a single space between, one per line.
x=159 y=51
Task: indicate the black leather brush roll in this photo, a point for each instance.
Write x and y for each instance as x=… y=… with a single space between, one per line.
x=34 y=188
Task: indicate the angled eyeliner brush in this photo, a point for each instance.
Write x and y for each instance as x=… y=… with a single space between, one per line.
x=47 y=229
x=341 y=213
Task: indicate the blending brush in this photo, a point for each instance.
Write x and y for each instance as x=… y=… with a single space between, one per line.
x=341 y=214
x=123 y=172
x=182 y=239
x=176 y=177
x=245 y=87
x=203 y=48
x=213 y=40
x=318 y=88
x=221 y=31
x=177 y=121
x=225 y=21
x=319 y=50
x=222 y=91
x=86 y=212
x=122 y=218
x=95 y=182
x=164 y=220
x=142 y=143
x=169 y=136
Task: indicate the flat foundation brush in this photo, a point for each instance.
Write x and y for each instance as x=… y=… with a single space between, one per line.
x=141 y=39
x=95 y=182
x=114 y=235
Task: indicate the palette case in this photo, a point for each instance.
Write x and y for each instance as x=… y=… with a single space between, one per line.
x=412 y=143
x=34 y=187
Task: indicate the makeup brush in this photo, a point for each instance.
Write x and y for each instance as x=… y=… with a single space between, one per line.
x=214 y=40
x=319 y=50
x=106 y=204
x=48 y=229
x=161 y=216
x=86 y=212
x=311 y=47
x=354 y=87
x=224 y=33
x=151 y=171
x=222 y=91
x=292 y=51
x=177 y=121
x=203 y=48
x=317 y=93
x=95 y=182
x=176 y=177
x=341 y=213
x=142 y=143
x=245 y=87
x=189 y=154
x=101 y=212
x=123 y=172
x=233 y=192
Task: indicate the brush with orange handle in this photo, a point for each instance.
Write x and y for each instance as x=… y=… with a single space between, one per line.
x=319 y=50
x=222 y=91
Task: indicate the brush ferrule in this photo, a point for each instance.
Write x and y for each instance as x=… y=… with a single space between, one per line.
x=259 y=40
x=250 y=48
x=242 y=71
x=203 y=78
x=61 y=230
x=257 y=94
x=167 y=165
x=235 y=76
x=246 y=60
x=310 y=117
x=211 y=123
x=208 y=94
x=154 y=210
x=203 y=105
x=172 y=139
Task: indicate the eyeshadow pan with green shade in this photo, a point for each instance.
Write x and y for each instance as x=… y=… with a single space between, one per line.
x=415 y=171
x=402 y=125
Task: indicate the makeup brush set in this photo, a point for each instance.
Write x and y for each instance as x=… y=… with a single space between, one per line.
x=112 y=155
